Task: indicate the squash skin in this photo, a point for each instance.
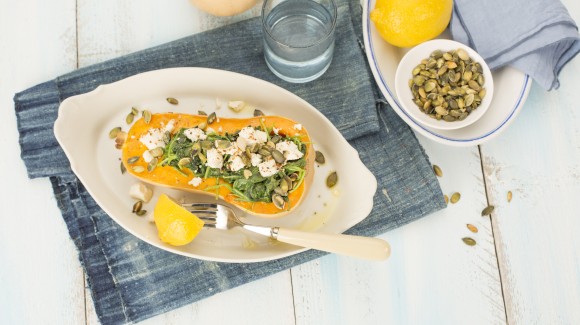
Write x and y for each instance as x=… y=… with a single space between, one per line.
x=167 y=176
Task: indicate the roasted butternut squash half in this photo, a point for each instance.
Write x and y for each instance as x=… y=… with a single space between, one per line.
x=263 y=165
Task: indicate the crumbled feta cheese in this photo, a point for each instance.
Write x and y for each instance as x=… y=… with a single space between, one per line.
x=147 y=156
x=248 y=136
x=236 y=105
x=236 y=164
x=256 y=159
x=214 y=159
x=140 y=191
x=298 y=127
x=195 y=181
x=195 y=134
x=153 y=139
x=289 y=149
x=276 y=130
x=268 y=168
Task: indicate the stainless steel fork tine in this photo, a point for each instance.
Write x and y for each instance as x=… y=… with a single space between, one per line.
x=200 y=205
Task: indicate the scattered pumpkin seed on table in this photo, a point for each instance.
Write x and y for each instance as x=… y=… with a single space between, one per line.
x=472 y=228
x=172 y=101
x=455 y=197
x=487 y=210
x=123 y=169
x=469 y=241
x=509 y=196
x=437 y=170
x=258 y=112
x=446 y=198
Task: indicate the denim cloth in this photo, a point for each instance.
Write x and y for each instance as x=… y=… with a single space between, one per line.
x=131 y=280
x=538 y=37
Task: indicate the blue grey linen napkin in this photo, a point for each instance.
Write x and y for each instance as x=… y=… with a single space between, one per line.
x=538 y=37
x=131 y=280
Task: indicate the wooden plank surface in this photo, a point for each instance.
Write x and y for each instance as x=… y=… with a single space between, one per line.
x=432 y=277
x=41 y=280
x=538 y=160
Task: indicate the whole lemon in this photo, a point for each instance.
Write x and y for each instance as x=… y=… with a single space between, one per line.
x=406 y=23
x=175 y=225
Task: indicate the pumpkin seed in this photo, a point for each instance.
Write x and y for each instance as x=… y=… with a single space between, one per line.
x=114 y=131
x=130 y=117
x=455 y=81
x=462 y=54
x=201 y=113
x=258 y=112
x=320 y=157
x=134 y=111
x=152 y=164
x=278 y=201
x=146 y=116
x=331 y=180
x=138 y=169
x=211 y=118
x=156 y=152
x=184 y=161
x=437 y=170
x=472 y=228
x=137 y=206
x=455 y=197
x=123 y=168
x=172 y=101
x=469 y=241
x=509 y=196
x=446 y=198
x=133 y=159
x=278 y=156
x=141 y=212
x=487 y=211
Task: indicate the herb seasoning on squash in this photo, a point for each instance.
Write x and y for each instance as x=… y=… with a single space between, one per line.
x=262 y=164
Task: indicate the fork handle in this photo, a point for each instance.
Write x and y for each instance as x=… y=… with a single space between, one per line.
x=356 y=246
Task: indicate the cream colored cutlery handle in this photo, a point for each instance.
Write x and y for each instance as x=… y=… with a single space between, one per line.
x=356 y=246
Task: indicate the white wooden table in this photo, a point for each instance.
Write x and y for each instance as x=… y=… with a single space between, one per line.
x=525 y=268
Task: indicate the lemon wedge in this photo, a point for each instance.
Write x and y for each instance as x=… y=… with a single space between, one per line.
x=175 y=225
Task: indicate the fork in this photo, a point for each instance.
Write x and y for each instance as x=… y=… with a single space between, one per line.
x=222 y=217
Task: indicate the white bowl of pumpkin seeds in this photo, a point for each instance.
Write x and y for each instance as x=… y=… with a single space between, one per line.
x=444 y=84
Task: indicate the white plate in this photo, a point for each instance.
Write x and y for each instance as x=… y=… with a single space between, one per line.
x=511 y=88
x=84 y=122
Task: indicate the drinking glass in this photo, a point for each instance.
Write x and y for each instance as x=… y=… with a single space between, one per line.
x=298 y=37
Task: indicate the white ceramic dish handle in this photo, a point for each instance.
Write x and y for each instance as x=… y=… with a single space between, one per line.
x=356 y=246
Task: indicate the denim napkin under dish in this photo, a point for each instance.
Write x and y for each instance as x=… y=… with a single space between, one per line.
x=538 y=37
x=131 y=280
